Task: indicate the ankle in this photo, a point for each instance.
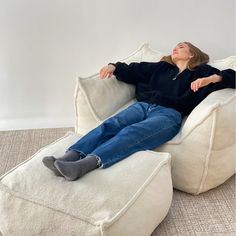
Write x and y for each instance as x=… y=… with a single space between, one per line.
x=95 y=157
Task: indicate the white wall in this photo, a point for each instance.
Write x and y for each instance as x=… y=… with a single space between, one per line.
x=45 y=44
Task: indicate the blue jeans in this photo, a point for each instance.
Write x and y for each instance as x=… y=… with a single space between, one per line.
x=141 y=126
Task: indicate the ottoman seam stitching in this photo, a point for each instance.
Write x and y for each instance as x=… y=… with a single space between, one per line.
x=208 y=156
x=46 y=205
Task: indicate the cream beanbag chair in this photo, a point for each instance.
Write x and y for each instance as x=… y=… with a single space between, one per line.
x=202 y=153
x=129 y=198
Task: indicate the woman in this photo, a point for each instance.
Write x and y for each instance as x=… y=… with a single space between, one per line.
x=166 y=91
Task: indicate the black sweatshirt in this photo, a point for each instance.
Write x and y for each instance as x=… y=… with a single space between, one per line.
x=160 y=83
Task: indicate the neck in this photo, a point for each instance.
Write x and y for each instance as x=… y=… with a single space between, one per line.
x=182 y=65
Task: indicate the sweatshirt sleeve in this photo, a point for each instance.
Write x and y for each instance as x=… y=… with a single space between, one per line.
x=228 y=81
x=134 y=72
x=191 y=99
x=228 y=76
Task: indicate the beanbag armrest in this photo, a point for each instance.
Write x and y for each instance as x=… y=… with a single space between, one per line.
x=97 y=99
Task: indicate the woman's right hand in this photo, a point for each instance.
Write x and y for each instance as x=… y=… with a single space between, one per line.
x=107 y=71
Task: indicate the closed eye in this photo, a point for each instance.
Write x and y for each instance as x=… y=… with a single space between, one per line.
x=181 y=45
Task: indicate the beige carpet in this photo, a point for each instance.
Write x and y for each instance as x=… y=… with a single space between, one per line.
x=211 y=213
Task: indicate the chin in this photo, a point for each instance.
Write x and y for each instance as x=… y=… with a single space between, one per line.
x=173 y=58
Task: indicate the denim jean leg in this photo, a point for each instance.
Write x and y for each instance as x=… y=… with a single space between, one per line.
x=160 y=126
x=110 y=127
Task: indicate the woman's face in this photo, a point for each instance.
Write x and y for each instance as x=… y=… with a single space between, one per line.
x=181 y=52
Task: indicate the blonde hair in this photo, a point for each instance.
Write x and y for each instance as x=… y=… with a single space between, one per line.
x=199 y=57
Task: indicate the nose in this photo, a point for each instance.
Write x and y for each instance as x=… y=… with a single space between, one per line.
x=174 y=51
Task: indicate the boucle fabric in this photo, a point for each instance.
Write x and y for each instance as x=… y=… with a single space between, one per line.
x=112 y=201
x=209 y=213
x=203 y=153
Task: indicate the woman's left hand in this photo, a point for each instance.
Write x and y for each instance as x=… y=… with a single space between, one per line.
x=202 y=82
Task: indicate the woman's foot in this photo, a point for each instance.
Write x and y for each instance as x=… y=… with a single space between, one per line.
x=74 y=170
x=70 y=156
x=48 y=161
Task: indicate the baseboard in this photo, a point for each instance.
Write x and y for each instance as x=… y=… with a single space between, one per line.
x=36 y=123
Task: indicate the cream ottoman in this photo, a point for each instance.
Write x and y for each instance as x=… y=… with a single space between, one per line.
x=129 y=198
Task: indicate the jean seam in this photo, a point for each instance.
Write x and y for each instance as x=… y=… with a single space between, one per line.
x=104 y=164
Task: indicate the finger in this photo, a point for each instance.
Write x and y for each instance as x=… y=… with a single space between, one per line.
x=106 y=74
x=110 y=75
x=102 y=71
x=192 y=86
x=197 y=84
x=102 y=74
x=196 y=87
